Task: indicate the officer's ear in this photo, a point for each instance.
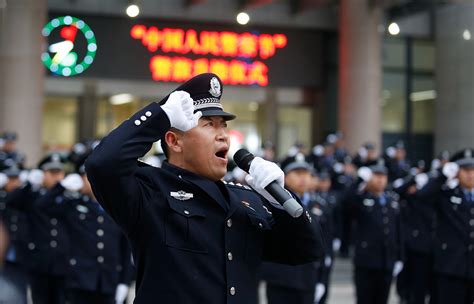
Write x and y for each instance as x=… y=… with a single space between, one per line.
x=173 y=141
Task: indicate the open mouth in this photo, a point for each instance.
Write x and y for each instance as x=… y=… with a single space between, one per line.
x=222 y=153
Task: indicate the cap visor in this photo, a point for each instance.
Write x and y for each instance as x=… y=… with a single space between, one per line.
x=218 y=112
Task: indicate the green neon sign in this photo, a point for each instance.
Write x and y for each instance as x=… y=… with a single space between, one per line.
x=64 y=61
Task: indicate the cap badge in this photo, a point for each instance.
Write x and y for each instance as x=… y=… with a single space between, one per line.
x=215 y=87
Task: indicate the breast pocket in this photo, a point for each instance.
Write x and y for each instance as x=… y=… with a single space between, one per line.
x=257 y=225
x=183 y=226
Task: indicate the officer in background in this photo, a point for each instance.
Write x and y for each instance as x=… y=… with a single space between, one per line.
x=100 y=258
x=9 y=155
x=415 y=281
x=325 y=205
x=378 y=243
x=15 y=223
x=367 y=156
x=48 y=242
x=194 y=238
x=286 y=283
x=452 y=196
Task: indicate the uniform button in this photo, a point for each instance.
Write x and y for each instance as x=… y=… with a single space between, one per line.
x=53 y=244
x=260 y=225
x=137 y=122
x=471 y=222
x=386 y=231
x=148 y=113
x=385 y=220
x=471 y=247
x=82 y=216
x=100 y=259
x=232 y=291
x=415 y=233
x=444 y=246
x=100 y=219
x=54 y=232
x=53 y=221
x=363 y=244
x=72 y=262
x=118 y=268
x=100 y=245
x=230 y=256
x=186 y=212
x=229 y=223
x=143 y=118
x=31 y=246
x=384 y=210
x=472 y=210
x=13 y=227
x=472 y=234
x=455 y=207
x=100 y=232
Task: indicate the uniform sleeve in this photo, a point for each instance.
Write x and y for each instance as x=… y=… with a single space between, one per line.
x=128 y=270
x=291 y=240
x=111 y=166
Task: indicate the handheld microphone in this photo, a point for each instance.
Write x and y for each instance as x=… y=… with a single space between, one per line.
x=243 y=159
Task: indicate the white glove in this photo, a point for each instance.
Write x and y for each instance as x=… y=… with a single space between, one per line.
x=121 y=293
x=35 y=178
x=336 y=245
x=318 y=150
x=261 y=174
x=3 y=180
x=421 y=180
x=72 y=182
x=364 y=173
x=450 y=170
x=327 y=261
x=319 y=292
x=24 y=176
x=397 y=268
x=391 y=151
x=180 y=111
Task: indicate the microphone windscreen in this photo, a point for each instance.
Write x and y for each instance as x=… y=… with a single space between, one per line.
x=243 y=158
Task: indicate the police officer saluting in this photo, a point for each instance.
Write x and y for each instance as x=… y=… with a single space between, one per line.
x=194 y=238
x=378 y=243
x=452 y=195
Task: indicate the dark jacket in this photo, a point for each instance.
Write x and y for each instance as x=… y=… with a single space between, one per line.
x=193 y=240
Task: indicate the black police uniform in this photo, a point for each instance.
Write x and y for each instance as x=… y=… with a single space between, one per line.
x=16 y=227
x=378 y=244
x=453 y=254
x=100 y=256
x=193 y=240
x=48 y=243
x=294 y=284
x=418 y=227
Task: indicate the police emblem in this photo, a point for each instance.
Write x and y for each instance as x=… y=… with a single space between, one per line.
x=182 y=195
x=215 y=89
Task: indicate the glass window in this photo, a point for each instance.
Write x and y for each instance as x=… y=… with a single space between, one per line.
x=393 y=102
x=423 y=55
x=422 y=101
x=59 y=123
x=393 y=53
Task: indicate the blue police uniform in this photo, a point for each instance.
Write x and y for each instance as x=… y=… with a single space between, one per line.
x=193 y=240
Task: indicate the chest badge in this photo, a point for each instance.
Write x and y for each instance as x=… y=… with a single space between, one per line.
x=368 y=202
x=181 y=195
x=455 y=200
x=247 y=204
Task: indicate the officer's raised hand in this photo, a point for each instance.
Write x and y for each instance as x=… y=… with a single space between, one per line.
x=180 y=111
